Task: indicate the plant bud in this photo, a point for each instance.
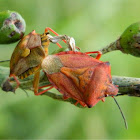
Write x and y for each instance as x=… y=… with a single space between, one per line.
x=12 y=27
x=130 y=40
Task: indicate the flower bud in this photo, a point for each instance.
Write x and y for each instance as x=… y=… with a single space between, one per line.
x=12 y=27
x=130 y=40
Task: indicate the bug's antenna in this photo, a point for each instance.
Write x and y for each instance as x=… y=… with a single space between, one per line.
x=125 y=122
x=4 y=61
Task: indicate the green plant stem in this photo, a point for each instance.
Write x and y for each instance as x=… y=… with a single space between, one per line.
x=127 y=85
x=109 y=48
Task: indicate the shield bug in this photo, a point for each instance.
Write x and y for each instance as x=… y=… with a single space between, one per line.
x=29 y=53
x=79 y=76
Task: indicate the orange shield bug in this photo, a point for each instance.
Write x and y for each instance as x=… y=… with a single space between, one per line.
x=79 y=76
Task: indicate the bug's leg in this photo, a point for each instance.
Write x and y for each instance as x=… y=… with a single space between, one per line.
x=46 y=30
x=36 y=82
x=44 y=90
x=17 y=81
x=103 y=99
x=58 y=45
x=45 y=86
x=81 y=103
x=65 y=97
x=76 y=103
x=66 y=39
x=99 y=54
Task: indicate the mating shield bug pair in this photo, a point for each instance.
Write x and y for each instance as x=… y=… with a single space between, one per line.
x=76 y=75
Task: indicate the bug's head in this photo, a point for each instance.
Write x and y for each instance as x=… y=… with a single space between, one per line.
x=111 y=90
x=99 y=95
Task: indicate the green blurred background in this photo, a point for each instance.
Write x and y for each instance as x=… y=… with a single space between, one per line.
x=94 y=24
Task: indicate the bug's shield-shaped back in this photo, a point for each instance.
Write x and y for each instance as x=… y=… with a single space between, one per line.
x=27 y=54
x=79 y=76
x=88 y=84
